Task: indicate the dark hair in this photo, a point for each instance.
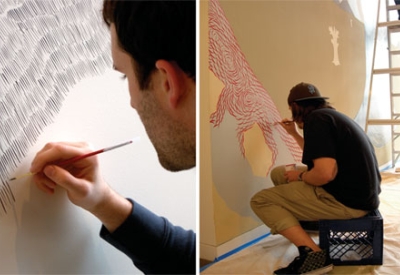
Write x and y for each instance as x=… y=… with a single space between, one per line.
x=301 y=109
x=154 y=30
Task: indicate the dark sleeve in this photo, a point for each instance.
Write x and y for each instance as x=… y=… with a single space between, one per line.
x=154 y=244
x=319 y=138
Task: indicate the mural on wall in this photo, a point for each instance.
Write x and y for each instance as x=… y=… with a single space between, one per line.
x=335 y=44
x=243 y=96
x=258 y=50
x=46 y=47
x=245 y=105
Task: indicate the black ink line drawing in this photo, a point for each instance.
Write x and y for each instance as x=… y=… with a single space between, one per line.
x=46 y=47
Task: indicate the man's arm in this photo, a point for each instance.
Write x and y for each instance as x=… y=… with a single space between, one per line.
x=291 y=128
x=154 y=244
x=324 y=171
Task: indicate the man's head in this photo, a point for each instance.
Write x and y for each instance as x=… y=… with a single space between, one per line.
x=153 y=30
x=161 y=78
x=303 y=99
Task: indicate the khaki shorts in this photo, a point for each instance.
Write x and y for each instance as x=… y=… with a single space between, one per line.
x=284 y=205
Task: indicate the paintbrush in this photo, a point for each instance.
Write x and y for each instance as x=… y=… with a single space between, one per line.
x=277 y=122
x=75 y=159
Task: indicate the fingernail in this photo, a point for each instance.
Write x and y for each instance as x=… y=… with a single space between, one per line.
x=33 y=168
x=49 y=171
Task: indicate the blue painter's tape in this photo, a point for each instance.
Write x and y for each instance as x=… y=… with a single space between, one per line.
x=236 y=250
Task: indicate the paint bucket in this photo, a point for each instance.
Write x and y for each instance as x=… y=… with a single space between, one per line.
x=290 y=167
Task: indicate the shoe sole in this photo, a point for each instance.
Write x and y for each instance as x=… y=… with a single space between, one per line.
x=320 y=271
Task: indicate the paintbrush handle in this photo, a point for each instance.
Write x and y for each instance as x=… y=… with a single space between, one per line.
x=75 y=159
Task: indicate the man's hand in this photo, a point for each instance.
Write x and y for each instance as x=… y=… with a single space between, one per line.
x=289 y=126
x=81 y=180
x=324 y=171
x=291 y=129
x=292 y=175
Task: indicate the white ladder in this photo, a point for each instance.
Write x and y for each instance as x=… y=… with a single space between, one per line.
x=394 y=120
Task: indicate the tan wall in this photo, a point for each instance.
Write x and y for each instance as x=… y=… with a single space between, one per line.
x=287 y=42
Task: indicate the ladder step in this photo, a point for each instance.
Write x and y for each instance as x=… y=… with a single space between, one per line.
x=395 y=52
x=393 y=7
x=389 y=24
x=384 y=121
x=387 y=71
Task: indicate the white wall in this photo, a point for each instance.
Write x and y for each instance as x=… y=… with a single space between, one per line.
x=47 y=234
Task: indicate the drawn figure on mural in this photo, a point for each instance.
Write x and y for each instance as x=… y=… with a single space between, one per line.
x=153 y=44
x=335 y=36
x=340 y=162
x=46 y=47
x=243 y=95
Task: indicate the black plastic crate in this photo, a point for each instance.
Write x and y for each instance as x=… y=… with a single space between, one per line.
x=355 y=241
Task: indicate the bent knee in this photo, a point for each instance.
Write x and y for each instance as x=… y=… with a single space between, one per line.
x=260 y=198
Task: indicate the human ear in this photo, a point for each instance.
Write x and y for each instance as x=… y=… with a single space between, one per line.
x=171 y=81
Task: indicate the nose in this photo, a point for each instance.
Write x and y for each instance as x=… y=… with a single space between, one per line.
x=133 y=105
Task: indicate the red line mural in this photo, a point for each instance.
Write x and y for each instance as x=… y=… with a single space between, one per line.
x=243 y=96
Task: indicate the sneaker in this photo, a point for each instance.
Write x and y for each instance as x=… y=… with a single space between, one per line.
x=308 y=262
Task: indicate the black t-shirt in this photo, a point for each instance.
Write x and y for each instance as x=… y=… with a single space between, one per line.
x=328 y=133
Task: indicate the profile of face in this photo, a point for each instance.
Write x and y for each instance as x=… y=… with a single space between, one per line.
x=169 y=119
x=300 y=124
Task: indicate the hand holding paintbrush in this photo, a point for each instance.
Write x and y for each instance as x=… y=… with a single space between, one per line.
x=75 y=168
x=69 y=161
x=288 y=125
x=75 y=159
x=283 y=122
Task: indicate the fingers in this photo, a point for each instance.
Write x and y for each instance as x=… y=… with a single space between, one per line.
x=53 y=152
x=61 y=177
x=286 y=122
x=52 y=176
x=290 y=175
x=286 y=176
x=44 y=183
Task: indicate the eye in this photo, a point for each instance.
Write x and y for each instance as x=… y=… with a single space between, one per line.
x=123 y=77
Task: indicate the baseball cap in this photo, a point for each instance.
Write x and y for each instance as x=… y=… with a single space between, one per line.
x=304 y=91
